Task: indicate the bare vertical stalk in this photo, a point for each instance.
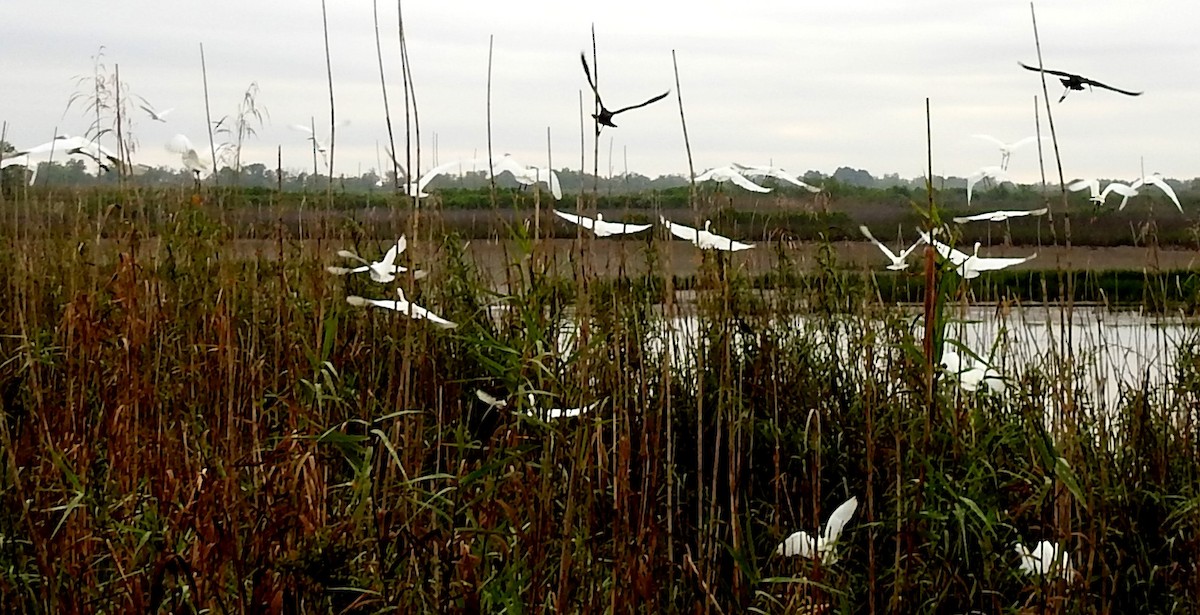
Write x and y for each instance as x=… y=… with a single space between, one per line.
x=687 y=144
x=387 y=109
x=212 y=144
x=332 y=111
x=491 y=165
x=596 y=133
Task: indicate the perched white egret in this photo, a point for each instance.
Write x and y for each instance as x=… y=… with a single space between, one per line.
x=492 y=402
x=729 y=174
x=1006 y=149
x=705 y=240
x=413 y=310
x=993 y=173
x=1046 y=560
x=156 y=115
x=1002 y=215
x=776 y=172
x=527 y=176
x=824 y=546
x=180 y=144
x=384 y=270
x=559 y=413
x=899 y=262
x=971 y=374
x=971 y=265
x=1154 y=180
x=600 y=227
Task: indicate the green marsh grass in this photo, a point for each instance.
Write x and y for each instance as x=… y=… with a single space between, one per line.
x=193 y=426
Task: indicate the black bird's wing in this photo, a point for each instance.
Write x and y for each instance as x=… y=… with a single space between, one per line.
x=1109 y=87
x=1052 y=72
x=588 y=73
x=655 y=99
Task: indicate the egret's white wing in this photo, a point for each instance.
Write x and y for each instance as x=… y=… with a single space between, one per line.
x=682 y=231
x=180 y=144
x=1157 y=180
x=583 y=221
x=1023 y=142
x=954 y=256
x=740 y=180
x=798 y=544
x=489 y=400
x=302 y=128
x=995 y=263
x=1092 y=185
x=389 y=257
x=507 y=163
x=891 y=255
x=604 y=228
x=704 y=176
x=837 y=521
x=992 y=140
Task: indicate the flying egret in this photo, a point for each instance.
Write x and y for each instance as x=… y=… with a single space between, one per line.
x=1099 y=196
x=156 y=115
x=705 y=240
x=321 y=145
x=824 y=546
x=180 y=144
x=1006 y=149
x=1046 y=560
x=559 y=413
x=776 y=172
x=401 y=305
x=1002 y=215
x=382 y=271
x=971 y=265
x=993 y=173
x=73 y=146
x=1071 y=81
x=604 y=117
x=899 y=262
x=1156 y=180
x=600 y=227
x=527 y=176
x=971 y=374
x=728 y=173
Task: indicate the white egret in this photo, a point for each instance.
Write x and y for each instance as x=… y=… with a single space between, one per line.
x=971 y=373
x=824 y=546
x=776 y=172
x=156 y=115
x=384 y=270
x=729 y=174
x=1002 y=215
x=1046 y=560
x=1100 y=196
x=559 y=413
x=1006 y=149
x=705 y=240
x=971 y=265
x=73 y=146
x=402 y=305
x=527 y=176
x=899 y=262
x=600 y=227
x=321 y=145
x=1154 y=180
x=180 y=144
x=492 y=402
x=993 y=173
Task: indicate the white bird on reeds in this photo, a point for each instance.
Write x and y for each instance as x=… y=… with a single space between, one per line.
x=971 y=373
x=1001 y=215
x=993 y=173
x=1006 y=149
x=969 y=266
x=492 y=402
x=729 y=174
x=600 y=226
x=899 y=261
x=824 y=546
x=384 y=270
x=1099 y=196
x=402 y=305
x=1045 y=560
x=180 y=144
x=704 y=239
x=559 y=413
x=156 y=115
x=1157 y=181
x=776 y=172
x=527 y=176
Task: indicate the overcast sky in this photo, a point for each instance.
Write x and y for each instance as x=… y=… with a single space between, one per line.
x=804 y=85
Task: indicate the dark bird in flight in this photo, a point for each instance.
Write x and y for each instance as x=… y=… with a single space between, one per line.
x=1075 y=82
x=605 y=116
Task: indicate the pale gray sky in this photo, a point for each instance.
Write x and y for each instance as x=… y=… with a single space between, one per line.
x=805 y=85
